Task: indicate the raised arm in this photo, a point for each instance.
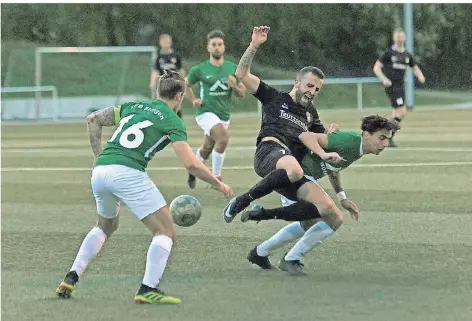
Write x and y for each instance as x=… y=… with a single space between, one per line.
x=243 y=71
x=95 y=122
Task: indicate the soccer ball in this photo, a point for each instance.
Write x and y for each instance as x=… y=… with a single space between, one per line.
x=186 y=210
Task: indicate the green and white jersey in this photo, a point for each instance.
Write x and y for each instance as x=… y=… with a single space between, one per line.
x=144 y=128
x=214 y=89
x=347 y=144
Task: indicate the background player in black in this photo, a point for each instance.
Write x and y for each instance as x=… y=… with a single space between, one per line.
x=394 y=62
x=287 y=119
x=166 y=59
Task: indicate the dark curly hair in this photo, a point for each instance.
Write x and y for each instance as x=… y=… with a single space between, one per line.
x=375 y=123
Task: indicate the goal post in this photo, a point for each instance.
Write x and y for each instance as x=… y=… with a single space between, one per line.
x=24 y=104
x=40 y=51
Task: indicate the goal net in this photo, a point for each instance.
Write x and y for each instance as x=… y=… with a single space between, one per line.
x=85 y=78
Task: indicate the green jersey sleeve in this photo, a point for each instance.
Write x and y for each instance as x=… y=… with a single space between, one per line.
x=343 y=140
x=117 y=110
x=176 y=130
x=193 y=75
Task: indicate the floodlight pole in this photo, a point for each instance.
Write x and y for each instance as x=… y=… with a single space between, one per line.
x=409 y=32
x=37 y=81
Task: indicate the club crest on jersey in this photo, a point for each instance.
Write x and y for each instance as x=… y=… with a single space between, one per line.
x=308 y=116
x=219 y=84
x=407 y=60
x=394 y=59
x=174 y=60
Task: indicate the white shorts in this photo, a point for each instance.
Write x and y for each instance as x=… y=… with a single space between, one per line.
x=114 y=183
x=207 y=121
x=287 y=202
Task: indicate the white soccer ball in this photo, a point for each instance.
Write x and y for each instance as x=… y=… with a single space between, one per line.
x=186 y=210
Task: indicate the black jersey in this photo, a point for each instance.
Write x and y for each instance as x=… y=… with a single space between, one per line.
x=286 y=120
x=170 y=61
x=395 y=63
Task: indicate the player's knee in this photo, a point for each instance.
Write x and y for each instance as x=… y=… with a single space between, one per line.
x=222 y=141
x=332 y=215
x=295 y=173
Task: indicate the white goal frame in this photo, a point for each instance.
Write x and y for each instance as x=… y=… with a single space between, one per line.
x=37 y=89
x=51 y=50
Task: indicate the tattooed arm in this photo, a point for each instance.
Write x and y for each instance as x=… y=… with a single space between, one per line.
x=347 y=204
x=335 y=181
x=259 y=36
x=95 y=122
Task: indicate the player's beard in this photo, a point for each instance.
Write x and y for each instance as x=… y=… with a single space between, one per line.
x=217 y=56
x=303 y=100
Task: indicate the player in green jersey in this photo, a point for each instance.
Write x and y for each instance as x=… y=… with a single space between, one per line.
x=144 y=129
x=217 y=84
x=312 y=229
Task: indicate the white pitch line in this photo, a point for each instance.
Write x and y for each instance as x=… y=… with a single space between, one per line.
x=79 y=169
x=236 y=148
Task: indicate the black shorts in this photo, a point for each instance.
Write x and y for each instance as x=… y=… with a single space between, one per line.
x=396 y=96
x=266 y=157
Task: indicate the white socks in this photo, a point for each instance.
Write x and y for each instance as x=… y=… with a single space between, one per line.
x=287 y=234
x=310 y=239
x=217 y=162
x=156 y=261
x=91 y=245
x=199 y=156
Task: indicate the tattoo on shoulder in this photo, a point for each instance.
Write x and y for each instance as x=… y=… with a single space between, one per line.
x=105 y=116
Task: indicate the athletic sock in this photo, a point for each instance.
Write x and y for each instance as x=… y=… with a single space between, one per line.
x=91 y=246
x=312 y=237
x=285 y=235
x=156 y=261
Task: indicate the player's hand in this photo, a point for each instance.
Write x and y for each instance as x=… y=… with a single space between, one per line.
x=332 y=128
x=351 y=207
x=259 y=35
x=232 y=82
x=421 y=80
x=332 y=157
x=197 y=103
x=224 y=189
x=387 y=82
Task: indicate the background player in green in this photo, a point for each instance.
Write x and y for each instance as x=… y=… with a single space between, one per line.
x=217 y=83
x=144 y=128
x=351 y=146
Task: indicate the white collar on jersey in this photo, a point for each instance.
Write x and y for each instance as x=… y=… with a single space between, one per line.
x=394 y=47
x=360 y=150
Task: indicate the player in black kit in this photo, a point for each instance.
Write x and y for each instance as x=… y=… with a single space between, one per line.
x=167 y=58
x=394 y=63
x=289 y=121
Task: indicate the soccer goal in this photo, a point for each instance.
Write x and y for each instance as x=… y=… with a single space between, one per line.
x=88 y=76
x=21 y=103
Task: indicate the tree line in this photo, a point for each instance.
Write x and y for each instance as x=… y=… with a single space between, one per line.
x=342 y=39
